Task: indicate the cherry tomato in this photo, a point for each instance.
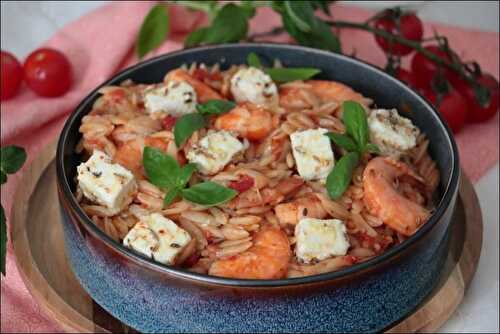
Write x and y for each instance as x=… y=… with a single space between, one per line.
x=48 y=72
x=168 y=122
x=410 y=28
x=406 y=76
x=425 y=69
x=246 y=182
x=453 y=108
x=11 y=75
x=478 y=113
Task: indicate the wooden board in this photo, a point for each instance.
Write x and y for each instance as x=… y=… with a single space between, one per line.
x=37 y=238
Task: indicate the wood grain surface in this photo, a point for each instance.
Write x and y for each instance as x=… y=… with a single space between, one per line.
x=37 y=238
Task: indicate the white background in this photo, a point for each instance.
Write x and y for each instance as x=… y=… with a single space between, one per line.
x=24 y=25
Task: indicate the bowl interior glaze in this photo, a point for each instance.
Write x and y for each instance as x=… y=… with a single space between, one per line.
x=386 y=91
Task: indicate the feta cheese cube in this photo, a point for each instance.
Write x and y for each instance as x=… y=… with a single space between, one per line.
x=313 y=153
x=253 y=85
x=157 y=237
x=142 y=239
x=214 y=151
x=176 y=98
x=319 y=239
x=392 y=133
x=105 y=183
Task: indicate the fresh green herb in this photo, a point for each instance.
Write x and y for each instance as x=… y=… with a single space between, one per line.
x=284 y=74
x=163 y=171
x=300 y=22
x=372 y=148
x=195 y=37
x=3 y=240
x=343 y=141
x=215 y=107
x=354 y=117
x=185 y=175
x=153 y=31
x=170 y=196
x=340 y=177
x=355 y=141
x=229 y=25
x=12 y=159
x=253 y=60
x=208 y=193
x=186 y=126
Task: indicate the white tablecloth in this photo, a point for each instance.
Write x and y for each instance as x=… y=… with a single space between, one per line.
x=26 y=24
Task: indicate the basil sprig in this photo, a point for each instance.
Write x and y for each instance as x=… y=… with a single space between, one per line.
x=355 y=142
x=282 y=75
x=163 y=171
x=12 y=159
x=189 y=123
x=153 y=30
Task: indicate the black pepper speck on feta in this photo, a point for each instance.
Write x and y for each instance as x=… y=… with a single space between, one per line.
x=392 y=133
x=176 y=98
x=253 y=85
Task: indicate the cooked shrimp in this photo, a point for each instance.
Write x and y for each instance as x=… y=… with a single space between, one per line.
x=385 y=202
x=307 y=206
x=248 y=120
x=268 y=258
x=129 y=154
x=326 y=91
x=203 y=91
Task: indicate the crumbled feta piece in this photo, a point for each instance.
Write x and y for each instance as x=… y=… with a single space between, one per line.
x=253 y=85
x=392 y=133
x=142 y=239
x=313 y=153
x=176 y=98
x=157 y=237
x=105 y=183
x=215 y=151
x=319 y=239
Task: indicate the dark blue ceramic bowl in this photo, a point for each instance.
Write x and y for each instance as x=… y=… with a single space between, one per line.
x=369 y=296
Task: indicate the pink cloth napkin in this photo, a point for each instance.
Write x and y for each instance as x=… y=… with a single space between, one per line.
x=101 y=43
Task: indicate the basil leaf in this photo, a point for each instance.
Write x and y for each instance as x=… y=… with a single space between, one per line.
x=294 y=9
x=170 y=196
x=230 y=25
x=342 y=140
x=208 y=193
x=320 y=35
x=291 y=74
x=186 y=126
x=215 y=107
x=12 y=159
x=161 y=169
x=372 y=148
x=248 y=7
x=253 y=60
x=185 y=175
x=354 y=117
x=154 y=30
x=195 y=37
x=3 y=240
x=3 y=177
x=340 y=177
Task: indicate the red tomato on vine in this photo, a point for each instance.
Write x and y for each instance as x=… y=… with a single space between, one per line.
x=452 y=106
x=410 y=27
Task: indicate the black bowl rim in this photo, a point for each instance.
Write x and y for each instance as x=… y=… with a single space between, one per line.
x=450 y=189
